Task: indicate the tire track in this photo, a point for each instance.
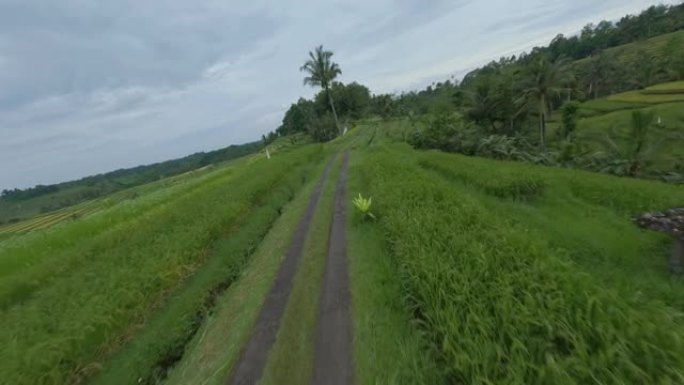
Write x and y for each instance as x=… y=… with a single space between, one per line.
x=249 y=367
x=333 y=358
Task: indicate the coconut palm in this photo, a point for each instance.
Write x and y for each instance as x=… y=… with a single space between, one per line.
x=542 y=80
x=321 y=72
x=597 y=72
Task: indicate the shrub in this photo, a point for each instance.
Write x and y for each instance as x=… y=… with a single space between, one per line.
x=323 y=128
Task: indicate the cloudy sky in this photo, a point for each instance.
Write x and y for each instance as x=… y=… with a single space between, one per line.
x=88 y=86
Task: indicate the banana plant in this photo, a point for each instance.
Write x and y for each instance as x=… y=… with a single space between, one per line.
x=363 y=205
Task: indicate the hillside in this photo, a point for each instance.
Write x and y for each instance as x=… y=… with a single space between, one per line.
x=655 y=47
x=16 y=205
x=605 y=122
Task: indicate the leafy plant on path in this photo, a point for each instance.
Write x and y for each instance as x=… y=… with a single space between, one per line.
x=363 y=205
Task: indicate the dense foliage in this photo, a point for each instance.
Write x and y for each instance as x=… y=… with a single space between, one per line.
x=525 y=107
x=501 y=301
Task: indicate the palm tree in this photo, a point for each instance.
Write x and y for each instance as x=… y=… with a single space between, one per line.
x=599 y=70
x=322 y=71
x=642 y=122
x=541 y=80
x=627 y=153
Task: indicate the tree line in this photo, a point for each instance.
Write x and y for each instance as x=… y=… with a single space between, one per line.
x=501 y=103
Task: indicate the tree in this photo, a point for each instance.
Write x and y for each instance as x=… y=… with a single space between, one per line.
x=598 y=73
x=629 y=155
x=383 y=105
x=321 y=72
x=481 y=104
x=569 y=117
x=351 y=100
x=638 y=139
x=672 y=58
x=541 y=80
x=297 y=118
x=323 y=128
x=644 y=68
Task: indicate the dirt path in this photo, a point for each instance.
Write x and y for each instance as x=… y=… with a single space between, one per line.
x=333 y=357
x=252 y=361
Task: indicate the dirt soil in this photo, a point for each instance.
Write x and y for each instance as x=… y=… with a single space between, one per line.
x=333 y=357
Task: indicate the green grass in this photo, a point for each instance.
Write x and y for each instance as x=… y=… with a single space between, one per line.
x=29 y=260
x=671 y=87
x=213 y=351
x=646 y=98
x=601 y=106
x=100 y=290
x=476 y=271
x=82 y=210
x=388 y=347
x=586 y=217
x=147 y=358
x=290 y=360
x=501 y=302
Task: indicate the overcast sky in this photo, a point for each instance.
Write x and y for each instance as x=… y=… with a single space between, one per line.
x=89 y=86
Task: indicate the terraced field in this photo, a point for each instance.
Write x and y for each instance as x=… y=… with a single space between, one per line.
x=610 y=117
x=84 y=209
x=473 y=272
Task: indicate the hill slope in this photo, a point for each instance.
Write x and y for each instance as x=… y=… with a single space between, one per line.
x=16 y=205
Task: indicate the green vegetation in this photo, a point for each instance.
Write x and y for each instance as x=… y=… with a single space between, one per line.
x=17 y=205
x=363 y=205
x=321 y=71
x=388 y=348
x=168 y=255
x=550 y=106
x=497 y=296
x=155 y=345
x=292 y=355
x=463 y=269
x=210 y=355
x=87 y=208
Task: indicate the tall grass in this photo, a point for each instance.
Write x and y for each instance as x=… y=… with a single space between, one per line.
x=627 y=196
x=56 y=333
x=499 y=304
x=31 y=261
x=155 y=349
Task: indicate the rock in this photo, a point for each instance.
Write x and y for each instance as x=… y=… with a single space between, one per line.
x=669 y=221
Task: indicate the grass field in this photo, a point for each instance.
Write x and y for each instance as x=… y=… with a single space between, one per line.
x=163 y=255
x=610 y=117
x=521 y=274
x=475 y=272
x=212 y=352
x=30 y=209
